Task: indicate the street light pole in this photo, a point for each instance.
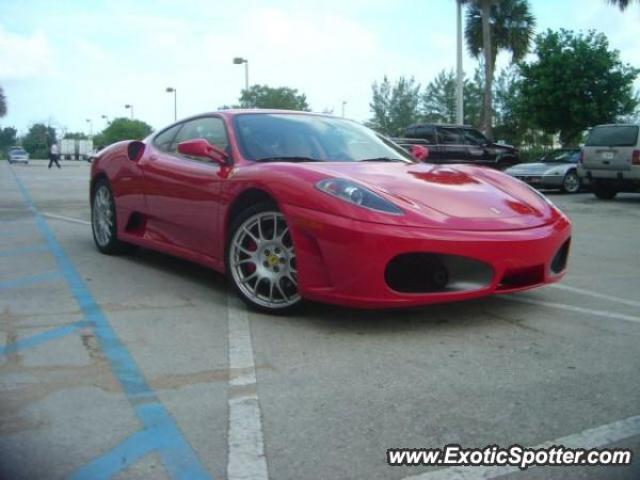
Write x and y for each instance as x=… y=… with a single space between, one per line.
x=344 y=102
x=130 y=107
x=239 y=61
x=459 y=73
x=175 y=102
x=90 y=122
x=106 y=119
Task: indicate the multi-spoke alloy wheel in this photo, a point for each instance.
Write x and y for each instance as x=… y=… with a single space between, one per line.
x=571 y=183
x=103 y=220
x=262 y=261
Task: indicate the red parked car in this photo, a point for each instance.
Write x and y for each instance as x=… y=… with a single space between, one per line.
x=293 y=206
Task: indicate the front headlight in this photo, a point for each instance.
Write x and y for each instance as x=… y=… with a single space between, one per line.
x=353 y=193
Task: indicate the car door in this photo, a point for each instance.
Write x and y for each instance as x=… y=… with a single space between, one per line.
x=183 y=192
x=477 y=146
x=451 y=145
x=427 y=133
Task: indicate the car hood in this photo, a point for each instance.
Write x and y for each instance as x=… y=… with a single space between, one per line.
x=449 y=196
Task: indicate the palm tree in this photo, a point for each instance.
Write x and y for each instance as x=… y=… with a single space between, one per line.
x=493 y=26
x=3 y=103
x=622 y=4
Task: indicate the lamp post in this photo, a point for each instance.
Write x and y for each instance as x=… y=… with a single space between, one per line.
x=175 y=102
x=130 y=107
x=240 y=61
x=344 y=103
x=90 y=122
x=105 y=118
x=459 y=73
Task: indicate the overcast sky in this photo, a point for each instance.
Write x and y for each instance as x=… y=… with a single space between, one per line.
x=65 y=61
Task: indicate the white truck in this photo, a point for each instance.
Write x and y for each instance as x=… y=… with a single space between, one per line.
x=85 y=149
x=67 y=149
x=72 y=149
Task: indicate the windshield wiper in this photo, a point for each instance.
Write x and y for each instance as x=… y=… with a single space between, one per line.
x=380 y=159
x=287 y=159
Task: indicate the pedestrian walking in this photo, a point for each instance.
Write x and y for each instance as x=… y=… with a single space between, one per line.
x=54 y=155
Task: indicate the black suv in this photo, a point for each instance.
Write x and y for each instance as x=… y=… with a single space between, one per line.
x=458 y=144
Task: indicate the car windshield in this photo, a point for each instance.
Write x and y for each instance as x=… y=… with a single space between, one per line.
x=17 y=151
x=300 y=137
x=561 y=156
x=613 y=136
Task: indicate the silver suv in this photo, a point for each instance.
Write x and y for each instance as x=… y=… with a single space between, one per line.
x=611 y=160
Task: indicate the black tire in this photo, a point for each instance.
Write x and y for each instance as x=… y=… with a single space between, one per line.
x=571 y=182
x=604 y=193
x=238 y=226
x=109 y=245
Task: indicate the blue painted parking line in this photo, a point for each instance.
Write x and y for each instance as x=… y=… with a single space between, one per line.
x=12 y=252
x=40 y=338
x=177 y=456
x=116 y=460
x=29 y=280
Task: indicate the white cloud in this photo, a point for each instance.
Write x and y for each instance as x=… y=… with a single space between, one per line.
x=23 y=56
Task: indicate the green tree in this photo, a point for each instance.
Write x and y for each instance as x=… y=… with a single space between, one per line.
x=394 y=106
x=438 y=101
x=575 y=82
x=123 y=129
x=622 y=4
x=75 y=136
x=493 y=26
x=38 y=140
x=7 y=139
x=3 y=103
x=262 y=96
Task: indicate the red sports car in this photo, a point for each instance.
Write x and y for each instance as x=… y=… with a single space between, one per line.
x=293 y=206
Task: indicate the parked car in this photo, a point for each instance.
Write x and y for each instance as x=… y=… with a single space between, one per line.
x=293 y=205
x=459 y=144
x=18 y=155
x=556 y=170
x=611 y=160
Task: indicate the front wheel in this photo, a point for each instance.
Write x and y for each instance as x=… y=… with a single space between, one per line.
x=571 y=183
x=103 y=220
x=261 y=260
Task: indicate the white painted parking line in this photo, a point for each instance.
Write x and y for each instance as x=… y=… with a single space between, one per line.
x=597 y=437
x=572 y=308
x=246 y=444
x=582 y=291
x=66 y=219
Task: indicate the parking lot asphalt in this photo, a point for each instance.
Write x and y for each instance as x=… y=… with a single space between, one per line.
x=145 y=366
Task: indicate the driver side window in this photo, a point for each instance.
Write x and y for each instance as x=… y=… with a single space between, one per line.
x=210 y=129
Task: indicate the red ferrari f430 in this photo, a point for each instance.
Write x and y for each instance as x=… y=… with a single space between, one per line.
x=294 y=206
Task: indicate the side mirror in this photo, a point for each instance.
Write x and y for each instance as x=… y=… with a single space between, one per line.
x=419 y=152
x=199 y=147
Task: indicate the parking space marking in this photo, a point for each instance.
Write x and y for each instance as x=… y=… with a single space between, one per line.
x=23 y=250
x=246 y=442
x=176 y=454
x=572 y=308
x=40 y=338
x=598 y=437
x=582 y=291
x=29 y=280
x=65 y=218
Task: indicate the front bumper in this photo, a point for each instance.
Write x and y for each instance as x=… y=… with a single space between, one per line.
x=540 y=181
x=343 y=261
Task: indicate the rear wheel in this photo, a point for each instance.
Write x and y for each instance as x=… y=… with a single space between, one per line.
x=604 y=193
x=571 y=182
x=261 y=260
x=103 y=220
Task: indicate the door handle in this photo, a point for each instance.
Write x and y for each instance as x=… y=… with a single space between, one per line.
x=153 y=158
